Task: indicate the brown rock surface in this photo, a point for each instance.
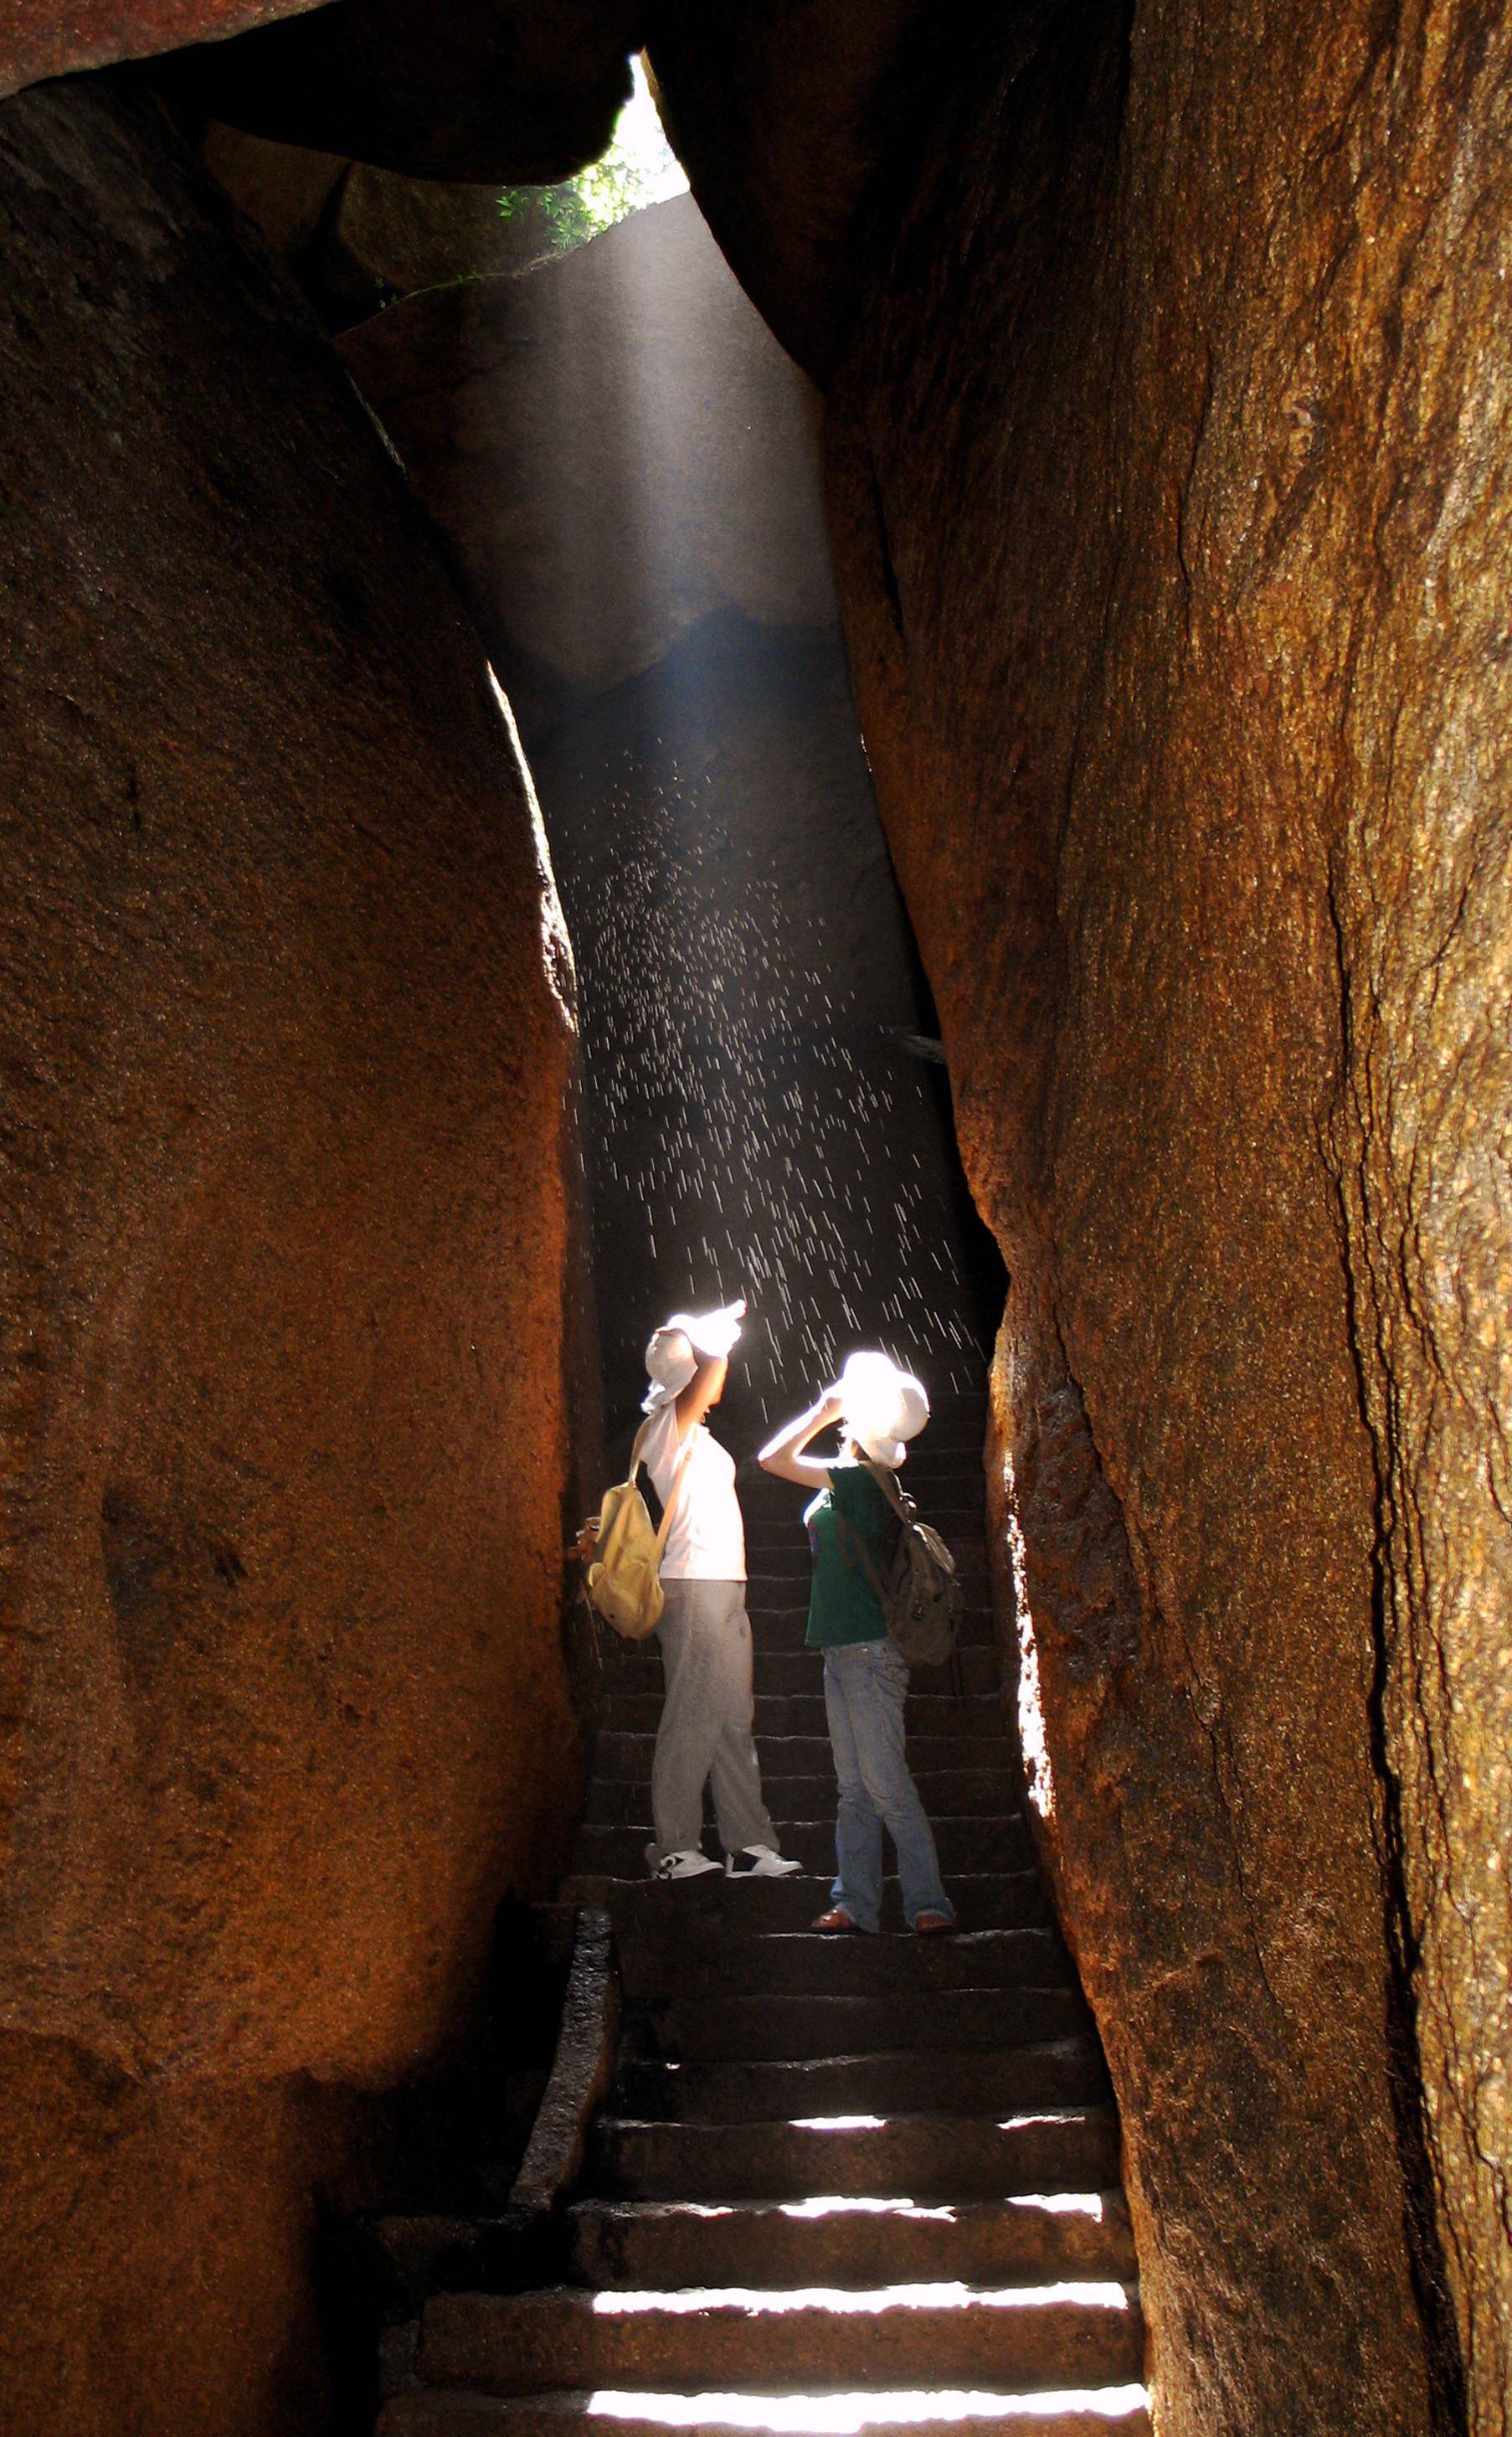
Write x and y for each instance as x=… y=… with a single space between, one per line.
x=414 y=233
x=782 y=112
x=613 y=448
x=504 y=90
x=285 y=190
x=356 y=238
x=43 y=38
x=1170 y=489
x=286 y=1051
x=156 y=2249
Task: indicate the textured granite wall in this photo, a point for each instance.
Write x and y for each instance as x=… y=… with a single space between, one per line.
x=1170 y=452
x=286 y=1042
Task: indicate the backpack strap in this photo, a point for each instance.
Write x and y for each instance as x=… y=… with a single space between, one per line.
x=679 y=1470
x=888 y=1485
x=845 y=1532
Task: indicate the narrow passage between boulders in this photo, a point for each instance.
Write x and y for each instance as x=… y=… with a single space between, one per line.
x=838 y=2184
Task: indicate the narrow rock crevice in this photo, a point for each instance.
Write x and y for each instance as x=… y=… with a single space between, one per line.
x=831 y=2170
x=1448 y=2386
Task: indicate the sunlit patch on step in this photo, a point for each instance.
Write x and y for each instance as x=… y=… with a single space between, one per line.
x=836 y=2204
x=847 y=2415
x=1061 y=2203
x=839 y=2123
x=762 y=2303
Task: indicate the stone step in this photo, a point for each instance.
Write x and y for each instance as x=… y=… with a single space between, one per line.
x=779 y=1619
x=952 y=1481
x=798 y=1671
x=948 y=1444
x=708 y=2028
x=784 y=1663
x=779 y=1586
x=919 y=2337
x=630 y=1756
x=834 y=2241
x=930 y=1709
x=1002 y=2081
x=946 y=1793
x=781 y=1625
x=953 y=1449
x=949 y=1405
x=952 y=1464
x=992 y=1845
x=958 y=1429
x=805 y=1963
x=930 y=1462
x=960 y=1524
x=429 y=2412
x=801 y=1671
x=751 y=1907
x=899 y=2157
x=936 y=1478
x=786 y=1629
x=779 y=1631
x=772 y=1552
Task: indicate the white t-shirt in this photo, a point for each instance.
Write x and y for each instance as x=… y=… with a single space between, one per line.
x=706 y=1543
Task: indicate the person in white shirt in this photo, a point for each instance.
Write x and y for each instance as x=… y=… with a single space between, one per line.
x=706 y=1734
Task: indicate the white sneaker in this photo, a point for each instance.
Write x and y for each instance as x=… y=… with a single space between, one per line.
x=759 y=1862
x=690 y=1864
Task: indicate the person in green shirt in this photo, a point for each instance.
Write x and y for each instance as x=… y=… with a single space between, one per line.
x=878 y=1409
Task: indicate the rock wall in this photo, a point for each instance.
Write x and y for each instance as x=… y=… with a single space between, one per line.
x=41 y=39
x=1167 y=436
x=489 y=90
x=781 y=113
x=1170 y=455
x=286 y=1045
x=504 y=90
x=613 y=447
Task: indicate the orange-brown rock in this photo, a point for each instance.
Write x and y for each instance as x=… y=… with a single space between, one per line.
x=286 y=1049
x=783 y=114
x=356 y=238
x=503 y=90
x=288 y=191
x=1171 y=461
x=43 y=38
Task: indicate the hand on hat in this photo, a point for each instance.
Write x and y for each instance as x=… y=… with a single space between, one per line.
x=713 y=1333
x=884 y=1406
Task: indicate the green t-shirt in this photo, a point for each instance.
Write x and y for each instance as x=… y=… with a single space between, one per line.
x=842 y=1605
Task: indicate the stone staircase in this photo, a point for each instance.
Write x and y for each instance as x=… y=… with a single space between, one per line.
x=838 y=2184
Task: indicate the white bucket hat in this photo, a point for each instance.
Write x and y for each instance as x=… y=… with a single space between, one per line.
x=884 y=1406
x=673 y=1351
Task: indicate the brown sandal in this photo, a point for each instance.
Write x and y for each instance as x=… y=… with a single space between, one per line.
x=837 y=1920
x=932 y=1924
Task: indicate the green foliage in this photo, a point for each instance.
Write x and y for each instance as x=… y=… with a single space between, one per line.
x=637 y=169
x=559 y=214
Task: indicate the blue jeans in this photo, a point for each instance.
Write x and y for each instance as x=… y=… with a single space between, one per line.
x=864 y=1684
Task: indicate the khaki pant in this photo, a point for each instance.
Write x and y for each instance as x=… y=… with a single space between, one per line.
x=706 y=1721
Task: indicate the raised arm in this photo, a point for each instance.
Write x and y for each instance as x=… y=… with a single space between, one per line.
x=706 y=1342
x=784 y=1455
x=702 y=1390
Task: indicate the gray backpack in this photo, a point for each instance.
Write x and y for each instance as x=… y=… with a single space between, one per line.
x=919 y=1592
